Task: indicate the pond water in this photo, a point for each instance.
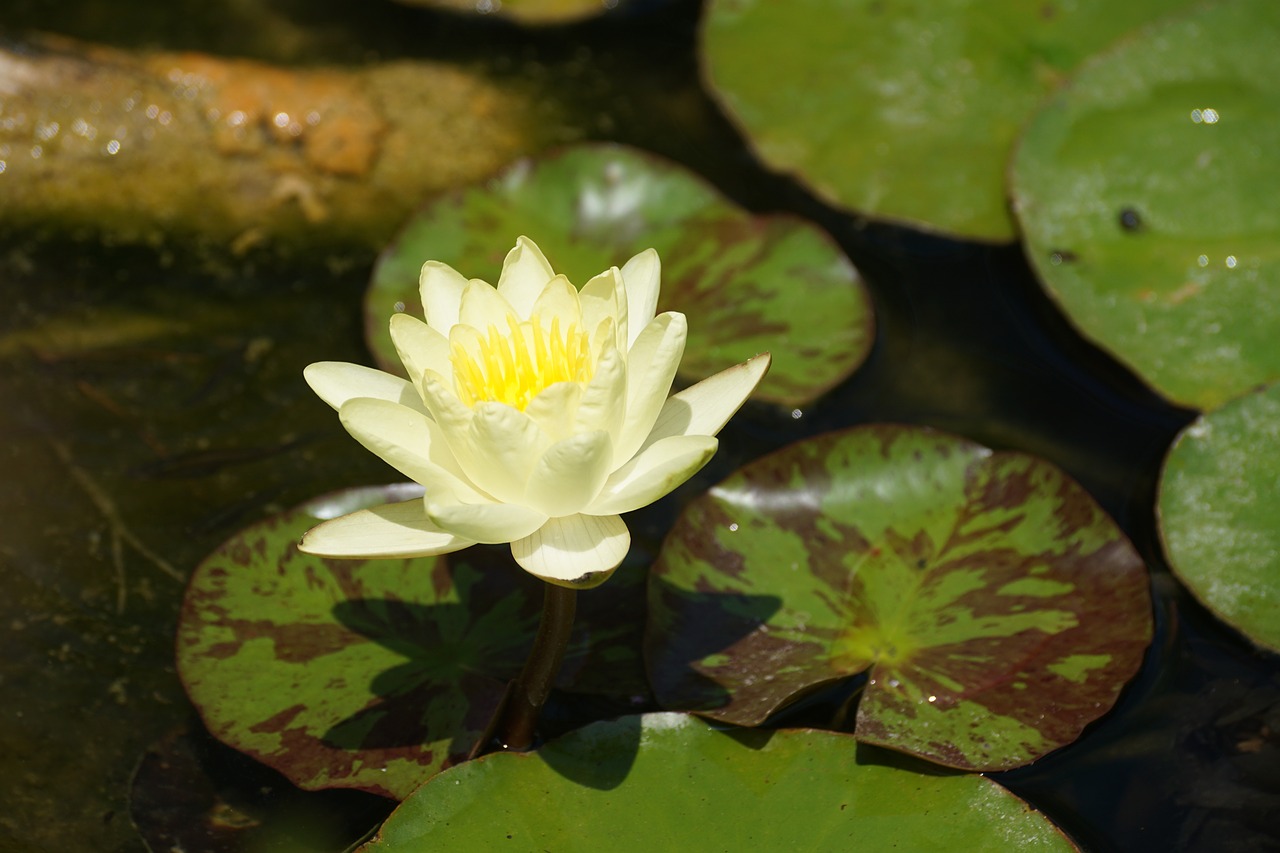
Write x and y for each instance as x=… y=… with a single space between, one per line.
x=151 y=404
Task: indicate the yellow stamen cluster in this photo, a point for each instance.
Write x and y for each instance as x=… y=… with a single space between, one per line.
x=512 y=366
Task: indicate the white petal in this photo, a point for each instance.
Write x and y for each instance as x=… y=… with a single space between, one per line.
x=482 y=307
x=604 y=337
x=390 y=530
x=654 y=472
x=420 y=347
x=336 y=382
x=705 y=408
x=569 y=475
x=472 y=342
x=642 y=276
x=605 y=297
x=505 y=444
x=651 y=367
x=453 y=418
x=554 y=409
x=604 y=400
x=577 y=551
x=489 y=523
x=448 y=411
x=559 y=301
x=410 y=442
x=440 y=287
x=525 y=272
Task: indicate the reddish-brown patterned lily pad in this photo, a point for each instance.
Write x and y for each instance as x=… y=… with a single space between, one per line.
x=998 y=609
x=369 y=674
x=748 y=284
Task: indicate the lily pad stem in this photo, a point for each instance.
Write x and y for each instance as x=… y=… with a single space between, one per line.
x=514 y=723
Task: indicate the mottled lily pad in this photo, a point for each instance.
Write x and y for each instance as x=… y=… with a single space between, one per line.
x=1147 y=194
x=998 y=609
x=370 y=674
x=748 y=284
x=1219 y=510
x=671 y=782
x=903 y=111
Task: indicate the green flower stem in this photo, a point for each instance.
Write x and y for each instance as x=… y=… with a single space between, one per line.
x=515 y=722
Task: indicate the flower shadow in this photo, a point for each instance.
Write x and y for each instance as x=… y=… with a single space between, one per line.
x=687 y=629
x=456 y=668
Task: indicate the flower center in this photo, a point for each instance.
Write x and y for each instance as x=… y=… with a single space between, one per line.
x=512 y=366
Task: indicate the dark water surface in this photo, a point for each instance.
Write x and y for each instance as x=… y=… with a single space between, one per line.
x=151 y=404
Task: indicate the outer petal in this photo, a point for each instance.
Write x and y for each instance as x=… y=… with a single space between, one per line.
x=336 y=382
x=705 y=408
x=577 y=551
x=390 y=530
x=569 y=475
x=651 y=367
x=505 y=444
x=653 y=472
x=420 y=347
x=482 y=306
x=605 y=296
x=488 y=523
x=440 y=287
x=525 y=272
x=410 y=442
x=642 y=275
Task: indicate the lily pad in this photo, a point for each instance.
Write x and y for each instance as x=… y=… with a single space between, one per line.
x=369 y=674
x=1219 y=508
x=748 y=283
x=671 y=782
x=908 y=110
x=997 y=608
x=1146 y=191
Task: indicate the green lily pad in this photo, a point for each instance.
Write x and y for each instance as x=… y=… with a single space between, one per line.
x=1146 y=191
x=908 y=110
x=748 y=283
x=998 y=609
x=1219 y=507
x=372 y=674
x=671 y=782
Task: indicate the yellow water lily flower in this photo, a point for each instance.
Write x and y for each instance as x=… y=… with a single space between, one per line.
x=534 y=414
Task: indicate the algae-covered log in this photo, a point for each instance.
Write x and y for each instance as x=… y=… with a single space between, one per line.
x=140 y=147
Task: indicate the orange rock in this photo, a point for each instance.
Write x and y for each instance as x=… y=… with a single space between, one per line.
x=147 y=147
x=325 y=114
